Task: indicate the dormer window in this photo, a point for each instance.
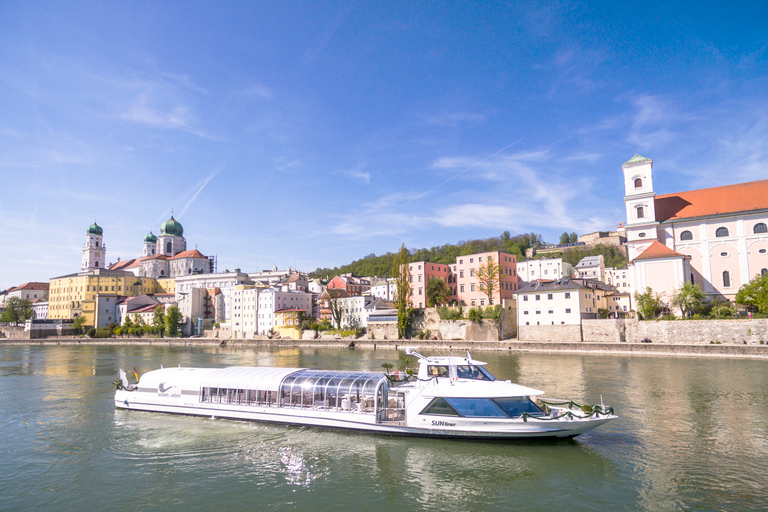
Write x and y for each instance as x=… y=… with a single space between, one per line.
x=638 y=183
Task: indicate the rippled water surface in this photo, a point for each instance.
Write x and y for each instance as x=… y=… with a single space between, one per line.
x=691 y=436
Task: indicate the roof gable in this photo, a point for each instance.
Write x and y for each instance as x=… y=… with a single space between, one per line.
x=658 y=250
x=193 y=253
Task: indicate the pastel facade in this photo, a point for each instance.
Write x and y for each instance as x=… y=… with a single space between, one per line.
x=357 y=309
x=544 y=268
x=73 y=294
x=27 y=291
x=461 y=278
x=565 y=301
x=351 y=284
x=271 y=300
x=591 y=267
x=421 y=272
x=720 y=233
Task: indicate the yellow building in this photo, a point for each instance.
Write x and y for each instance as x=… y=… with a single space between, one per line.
x=289 y=322
x=75 y=294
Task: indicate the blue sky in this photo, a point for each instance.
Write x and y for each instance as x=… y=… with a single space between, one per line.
x=310 y=134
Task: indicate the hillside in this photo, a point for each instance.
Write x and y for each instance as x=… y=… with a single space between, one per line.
x=381 y=266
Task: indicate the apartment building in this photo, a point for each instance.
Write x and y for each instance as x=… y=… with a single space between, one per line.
x=544 y=268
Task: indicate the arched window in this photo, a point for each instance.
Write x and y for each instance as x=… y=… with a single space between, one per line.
x=760 y=227
x=726 y=279
x=764 y=271
x=640 y=212
x=97 y=264
x=721 y=232
x=168 y=247
x=686 y=235
x=638 y=183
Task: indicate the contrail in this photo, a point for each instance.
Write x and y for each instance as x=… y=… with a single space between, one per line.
x=200 y=189
x=465 y=170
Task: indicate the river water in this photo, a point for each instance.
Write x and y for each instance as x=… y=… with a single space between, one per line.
x=692 y=435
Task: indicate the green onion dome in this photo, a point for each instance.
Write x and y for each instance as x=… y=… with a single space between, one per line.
x=171 y=227
x=95 y=229
x=150 y=238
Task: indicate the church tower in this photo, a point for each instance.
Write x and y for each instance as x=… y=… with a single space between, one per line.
x=94 y=250
x=171 y=240
x=639 y=201
x=150 y=245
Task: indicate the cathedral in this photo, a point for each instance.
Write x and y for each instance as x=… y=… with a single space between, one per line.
x=162 y=257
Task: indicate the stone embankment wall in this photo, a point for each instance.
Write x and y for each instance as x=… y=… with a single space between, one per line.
x=13 y=333
x=681 y=332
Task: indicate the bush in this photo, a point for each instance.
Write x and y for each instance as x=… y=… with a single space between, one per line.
x=492 y=312
x=446 y=313
x=475 y=315
x=91 y=332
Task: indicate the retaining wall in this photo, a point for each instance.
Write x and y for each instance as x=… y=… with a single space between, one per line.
x=678 y=332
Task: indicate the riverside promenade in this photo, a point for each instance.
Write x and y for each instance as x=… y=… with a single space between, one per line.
x=456 y=346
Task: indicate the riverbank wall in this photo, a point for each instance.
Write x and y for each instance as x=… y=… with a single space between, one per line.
x=458 y=347
x=632 y=330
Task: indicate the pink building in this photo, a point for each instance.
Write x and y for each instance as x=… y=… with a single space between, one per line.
x=421 y=273
x=461 y=278
x=468 y=290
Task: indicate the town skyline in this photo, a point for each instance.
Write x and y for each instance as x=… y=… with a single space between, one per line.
x=305 y=137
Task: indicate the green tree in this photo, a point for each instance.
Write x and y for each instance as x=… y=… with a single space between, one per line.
x=336 y=311
x=437 y=292
x=489 y=276
x=565 y=238
x=648 y=303
x=754 y=294
x=688 y=298
x=16 y=311
x=159 y=317
x=172 y=320
x=402 y=298
x=573 y=238
x=78 y=322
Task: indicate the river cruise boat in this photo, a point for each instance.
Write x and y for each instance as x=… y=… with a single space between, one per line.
x=449 y=396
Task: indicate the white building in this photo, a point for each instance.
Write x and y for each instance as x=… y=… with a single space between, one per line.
x=715 y=237
x=544 y=268
x=357 y=308
x=384 y=289
x=591 y=267
x=564 y=301
x=620 y=278
x=27 y=291
x=245 y=309
x=40 y=309
x=271 y=300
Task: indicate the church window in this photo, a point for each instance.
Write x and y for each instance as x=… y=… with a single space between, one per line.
x=686 y=235
x=640 y=212
x=762 y=251
x=764 y=271
x=726 y=279
x=96 y=264
x=724 y=254
x=97 y=243
x=721 y=232
x=641 y=235
x=760 y=227
x=168 y=247
x=638 y=183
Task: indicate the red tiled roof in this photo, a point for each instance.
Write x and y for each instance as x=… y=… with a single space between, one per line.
x=194 y=253
x=658 y=250
x=120 y=265
x=29 y=286
x=713 y=201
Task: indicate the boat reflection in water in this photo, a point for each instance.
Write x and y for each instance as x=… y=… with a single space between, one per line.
x=450 y=397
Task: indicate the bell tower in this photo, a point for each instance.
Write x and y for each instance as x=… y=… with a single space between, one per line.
x=94 y=250
x=639 y=201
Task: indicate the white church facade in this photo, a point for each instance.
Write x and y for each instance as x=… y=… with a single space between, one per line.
x=716 y=237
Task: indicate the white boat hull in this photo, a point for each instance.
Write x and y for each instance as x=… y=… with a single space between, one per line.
x=464 y=428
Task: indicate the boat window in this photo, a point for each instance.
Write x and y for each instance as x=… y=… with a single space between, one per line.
x=515 y=406
x=438 y=406
x=438 y=370
x=482 y=407
x=474 y=372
